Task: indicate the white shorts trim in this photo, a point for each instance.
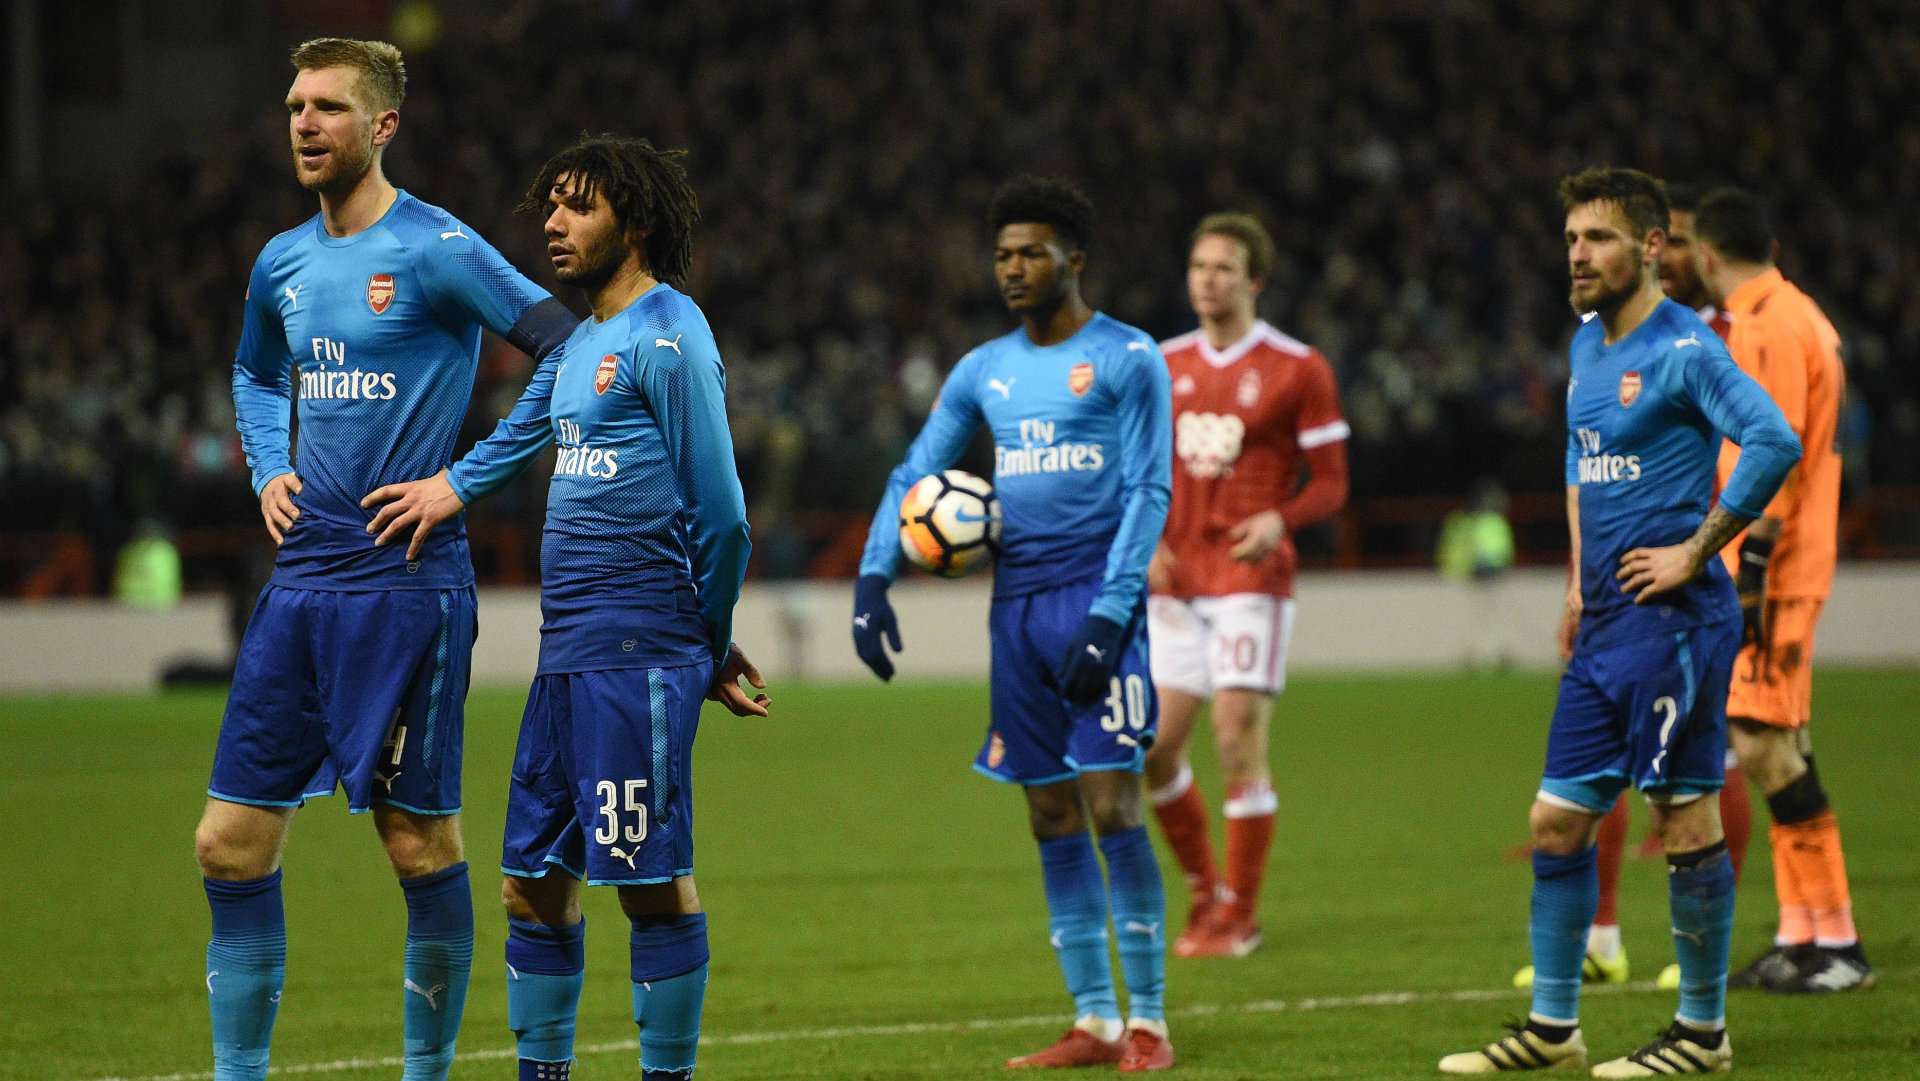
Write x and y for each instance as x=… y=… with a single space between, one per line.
x=1550 y=799
x=1233 y=642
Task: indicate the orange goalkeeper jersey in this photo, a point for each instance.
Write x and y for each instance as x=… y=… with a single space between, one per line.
x=1783 y=340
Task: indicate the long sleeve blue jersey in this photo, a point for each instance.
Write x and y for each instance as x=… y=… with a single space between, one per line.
x=646 y=540
x=1645 y=417
x=1082 y=459
x=383 y=329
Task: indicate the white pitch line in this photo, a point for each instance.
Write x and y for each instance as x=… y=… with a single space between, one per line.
x=914 y=1028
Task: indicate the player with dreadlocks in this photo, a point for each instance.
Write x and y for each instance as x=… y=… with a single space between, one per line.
x=643 y=554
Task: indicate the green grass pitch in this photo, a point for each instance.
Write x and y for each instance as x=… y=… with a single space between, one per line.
x=876 y=906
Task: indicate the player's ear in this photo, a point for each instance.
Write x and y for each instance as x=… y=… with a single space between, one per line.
x=1077 y=261
x=1653 y=245
x=386 y=125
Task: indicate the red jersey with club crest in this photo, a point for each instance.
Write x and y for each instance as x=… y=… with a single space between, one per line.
x=1248 y=421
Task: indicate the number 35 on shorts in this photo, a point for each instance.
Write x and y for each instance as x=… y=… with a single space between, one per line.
x=621 y=819
x=1127 y=704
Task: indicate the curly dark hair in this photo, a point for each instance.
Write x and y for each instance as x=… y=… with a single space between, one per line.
x=1048 y=201
x=1639 y=196
x=646 y=186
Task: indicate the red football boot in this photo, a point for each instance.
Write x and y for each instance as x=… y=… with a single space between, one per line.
x=1077 y=1048
x=1229 y=934
x=1146 y=1050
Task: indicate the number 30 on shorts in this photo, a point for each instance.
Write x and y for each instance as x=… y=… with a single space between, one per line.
x=611 y=827
x=1126 y=705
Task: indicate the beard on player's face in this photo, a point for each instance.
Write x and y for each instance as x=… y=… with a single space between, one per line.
x=1609 y=288
x=348 y=157
x=1680 y=283
x=596 y=258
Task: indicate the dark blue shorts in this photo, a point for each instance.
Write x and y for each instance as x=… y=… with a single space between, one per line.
x=603 y=776
x=1036 y=735
x=1651 y=713
x=366 y=691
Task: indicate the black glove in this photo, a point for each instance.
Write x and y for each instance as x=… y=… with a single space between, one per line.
x=1751 y=584
x=1094 y=653
x=873 y=620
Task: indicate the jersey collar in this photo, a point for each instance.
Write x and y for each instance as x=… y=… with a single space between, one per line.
x=1754 y=291
x=1221 y=358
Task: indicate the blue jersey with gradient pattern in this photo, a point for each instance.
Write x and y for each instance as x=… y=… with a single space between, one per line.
x=1645 y=417
x=646 y=540
x=383 y=328
x=1083 y=459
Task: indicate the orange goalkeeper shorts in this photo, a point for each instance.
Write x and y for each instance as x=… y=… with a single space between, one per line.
x=1773 y=680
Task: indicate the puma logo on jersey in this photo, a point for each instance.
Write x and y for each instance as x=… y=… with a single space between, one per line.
x=1691 y=339
x=1098 y=653
x=293 y=295
x=662 y=343
x=454 y=232
x=1141 y=346
x=1005 y=389
x=860 y=620
x=616 y=853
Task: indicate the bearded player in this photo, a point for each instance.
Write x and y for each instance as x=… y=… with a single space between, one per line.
x=1606 y=960
x=1253 y=410
x=1077 y=405
x=1650 y=627
x=641 y=560
x=353 y=668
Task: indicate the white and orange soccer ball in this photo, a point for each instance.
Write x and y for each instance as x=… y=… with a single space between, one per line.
x=950 y=523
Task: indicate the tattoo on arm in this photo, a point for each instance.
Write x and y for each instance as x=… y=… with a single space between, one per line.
x=1721 y=526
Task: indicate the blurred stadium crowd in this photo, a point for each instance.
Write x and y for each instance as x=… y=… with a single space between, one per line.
x=845 y=151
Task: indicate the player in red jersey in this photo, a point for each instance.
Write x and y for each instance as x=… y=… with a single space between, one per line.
x=1251 y=406
x=1606 y=960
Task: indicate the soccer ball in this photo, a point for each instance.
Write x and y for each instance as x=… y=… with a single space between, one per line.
x=950 y=523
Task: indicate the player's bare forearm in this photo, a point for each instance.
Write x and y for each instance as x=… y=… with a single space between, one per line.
x=1573 y=529
x=1721 y=525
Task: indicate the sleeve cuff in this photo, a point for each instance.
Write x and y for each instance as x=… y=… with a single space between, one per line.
x=267 y=478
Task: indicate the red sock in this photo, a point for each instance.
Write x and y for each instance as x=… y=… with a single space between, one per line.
x=1736 y=817
x=1183 y=819
x=1250 y=809
x=1612 y=844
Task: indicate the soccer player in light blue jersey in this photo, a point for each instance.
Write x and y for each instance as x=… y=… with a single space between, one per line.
x=1079 y=407
x=1650 y=629
x=353 y=668
x=643 y=554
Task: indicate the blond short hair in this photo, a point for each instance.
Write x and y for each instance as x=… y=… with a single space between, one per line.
x=383 y=74
x=1246 y=229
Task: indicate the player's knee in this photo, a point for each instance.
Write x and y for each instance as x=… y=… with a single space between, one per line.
x=1769 y=755
x=1559 y=831
x=1050 y=819
x=419 y=844
x=1689 y=826
x=1114 y=811
x=231 y=846
x=544 y=901
x=659 y=899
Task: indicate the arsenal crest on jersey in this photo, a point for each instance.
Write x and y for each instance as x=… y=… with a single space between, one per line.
x=603 y=376
x=1080 y=379
x=1629 y=388
x=380 y=293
